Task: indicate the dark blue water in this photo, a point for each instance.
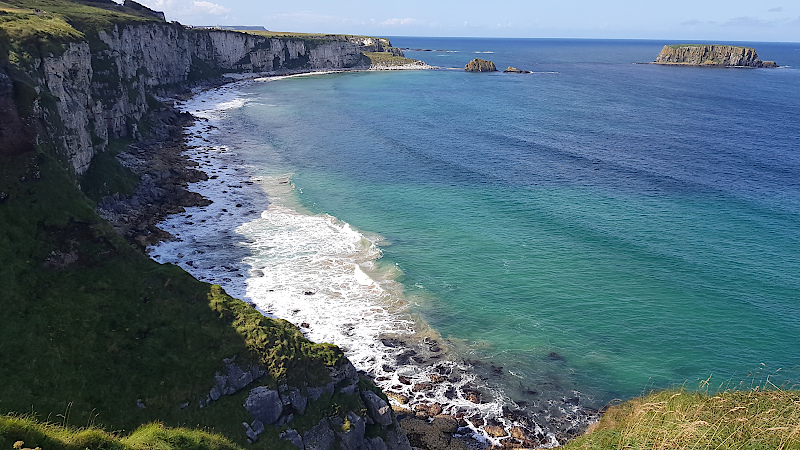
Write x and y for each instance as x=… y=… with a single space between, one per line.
x=596 y=225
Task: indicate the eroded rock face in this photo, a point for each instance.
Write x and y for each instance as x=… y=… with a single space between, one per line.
x=103 y=93
x=711 y=55
x=480 y=65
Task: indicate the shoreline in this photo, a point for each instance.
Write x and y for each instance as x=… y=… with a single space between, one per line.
x=453 y=382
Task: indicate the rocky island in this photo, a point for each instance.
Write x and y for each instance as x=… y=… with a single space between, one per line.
x=710 y=56
x=480 y=65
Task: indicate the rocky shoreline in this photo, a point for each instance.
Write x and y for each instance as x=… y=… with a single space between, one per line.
x=166 y=173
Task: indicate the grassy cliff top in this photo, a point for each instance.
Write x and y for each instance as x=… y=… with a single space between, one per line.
x=736 y=419
x=705 y=45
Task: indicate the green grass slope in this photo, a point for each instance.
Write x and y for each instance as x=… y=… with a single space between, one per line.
x=90 y=326
x=737 y=419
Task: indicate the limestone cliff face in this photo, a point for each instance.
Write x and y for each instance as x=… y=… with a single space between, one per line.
x=711 y=55
x=102 y=90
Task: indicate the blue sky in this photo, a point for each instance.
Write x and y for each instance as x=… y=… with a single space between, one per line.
x=717 y=20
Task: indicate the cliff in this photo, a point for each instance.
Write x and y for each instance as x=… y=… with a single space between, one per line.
x=101 y=87
x=711 y=56
x=97 y=332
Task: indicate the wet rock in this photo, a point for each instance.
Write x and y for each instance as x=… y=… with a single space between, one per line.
x=518 y=433
x=399 y=398
x=445 y=423
x=419 y=387
x=264 y=404
x=495 y=431
x=435 y=409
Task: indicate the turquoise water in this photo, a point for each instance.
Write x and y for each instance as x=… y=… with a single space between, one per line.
x=596 y=225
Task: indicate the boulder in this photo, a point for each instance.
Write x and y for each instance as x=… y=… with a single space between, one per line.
x=264 y=404
x=378 y=409
x=320 y=437
x=353 y=438
x=480 y=65
x=293 y=436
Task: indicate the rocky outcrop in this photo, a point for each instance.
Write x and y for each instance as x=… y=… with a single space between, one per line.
x=337 y=428
x=480 y=65
x=711 y=56
x=104 y=90
x=515 y=70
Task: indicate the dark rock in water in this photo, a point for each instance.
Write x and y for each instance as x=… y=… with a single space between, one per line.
x=480 y=65
x=515 y=70
x=554 y=356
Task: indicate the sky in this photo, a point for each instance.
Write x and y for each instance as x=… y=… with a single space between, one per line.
x=714 y=20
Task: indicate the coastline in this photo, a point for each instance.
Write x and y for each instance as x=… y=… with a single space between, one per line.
x=419 y=370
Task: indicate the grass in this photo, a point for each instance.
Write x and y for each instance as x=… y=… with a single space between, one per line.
x=30 y=33
x=24 y=432
x=90 y=325
x=388 y=59
x=679 y=419
x=675 y=46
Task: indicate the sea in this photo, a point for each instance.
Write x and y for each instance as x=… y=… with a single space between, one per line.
x=518 y=249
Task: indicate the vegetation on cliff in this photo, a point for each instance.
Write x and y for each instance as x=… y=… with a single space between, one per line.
x=734 y=419
x=94 y=332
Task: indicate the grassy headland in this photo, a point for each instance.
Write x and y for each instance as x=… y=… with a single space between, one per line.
x=678 y=419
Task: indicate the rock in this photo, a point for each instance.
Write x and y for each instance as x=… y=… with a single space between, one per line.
x=423 y=435
x=445 y=424
x=297 y=401
x=435 y=409
x=515 y=70
x=711 y=56
x=375 y=443
x=264 y=404
x=495 y=431
x=422 y=387
x=480 y=65
x=292 y=436
x=377 y=408
x=320 y=437
x=518 y=433
x=399 y=398
x=316 y=392
x=140 y=404
x=353 y=438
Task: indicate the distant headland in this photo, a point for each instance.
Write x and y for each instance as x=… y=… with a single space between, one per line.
x=710 y=55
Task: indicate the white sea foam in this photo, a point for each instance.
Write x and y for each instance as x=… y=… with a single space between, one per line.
x=313 y=270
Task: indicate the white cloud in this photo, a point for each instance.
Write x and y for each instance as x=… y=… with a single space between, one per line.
x=747 y=21
x=400 y=22
x=205 y=7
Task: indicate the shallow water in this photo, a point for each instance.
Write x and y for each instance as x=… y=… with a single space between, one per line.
x=594 y=229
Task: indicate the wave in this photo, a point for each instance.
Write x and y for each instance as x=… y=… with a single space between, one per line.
x=324 y=276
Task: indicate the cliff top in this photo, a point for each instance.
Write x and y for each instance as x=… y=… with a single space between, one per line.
x=675 y=46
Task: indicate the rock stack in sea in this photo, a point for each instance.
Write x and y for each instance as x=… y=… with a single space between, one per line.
x=480 y=65
x=711 y=56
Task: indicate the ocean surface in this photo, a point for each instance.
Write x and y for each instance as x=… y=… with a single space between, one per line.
x=547 y=242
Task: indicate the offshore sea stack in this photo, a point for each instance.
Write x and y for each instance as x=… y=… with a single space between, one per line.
x=480 y=65
x=711 y=56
